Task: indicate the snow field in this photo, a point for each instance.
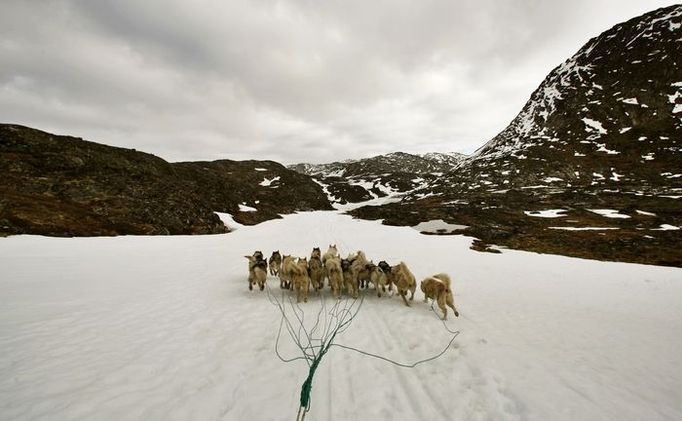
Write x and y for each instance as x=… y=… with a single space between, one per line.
x=165 y=328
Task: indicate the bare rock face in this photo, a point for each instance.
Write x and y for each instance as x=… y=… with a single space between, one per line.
x=65 y=186
x=602 y=131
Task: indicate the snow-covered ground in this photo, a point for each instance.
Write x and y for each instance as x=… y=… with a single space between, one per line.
x=548 y=213
x=438 y=225
x=164 y=328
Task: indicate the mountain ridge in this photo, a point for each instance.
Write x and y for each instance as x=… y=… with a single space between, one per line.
x=600 y=133
x=395 y=173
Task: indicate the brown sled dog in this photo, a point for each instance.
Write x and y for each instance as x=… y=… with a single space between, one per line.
x=349 y=279
x=275 y=263
x=316 y=270
x=437 y=288
x=257 y=272
x=386 y=268
x=259 y=257
x=404 y=281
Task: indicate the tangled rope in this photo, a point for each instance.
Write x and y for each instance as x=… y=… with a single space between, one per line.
x=316 y=342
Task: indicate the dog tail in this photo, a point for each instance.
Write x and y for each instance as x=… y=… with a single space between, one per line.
x=331 y=266
x=443 y=277
x=406 y=271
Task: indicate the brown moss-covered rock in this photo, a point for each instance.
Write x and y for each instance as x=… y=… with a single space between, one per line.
x=66 y=186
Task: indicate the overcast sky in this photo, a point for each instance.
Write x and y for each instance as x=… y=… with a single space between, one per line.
x=292 y=81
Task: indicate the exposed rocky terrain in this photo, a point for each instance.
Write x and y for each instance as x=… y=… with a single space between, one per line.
x=600 y=139
x=64 y=186
x=590 y=167
x=355 y=181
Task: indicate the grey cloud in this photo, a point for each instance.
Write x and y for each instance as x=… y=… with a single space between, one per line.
x=286 y=80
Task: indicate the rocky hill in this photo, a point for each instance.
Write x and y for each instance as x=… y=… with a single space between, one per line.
x=600 y=139
x=65 y=186
x=379 y=176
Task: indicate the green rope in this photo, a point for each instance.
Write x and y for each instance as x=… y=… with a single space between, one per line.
x=308 y=383
x=369 y=354
x=336 y=321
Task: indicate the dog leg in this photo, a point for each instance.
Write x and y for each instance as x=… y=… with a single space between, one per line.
x=441 y=304
x=402 y=295
x=451 y=304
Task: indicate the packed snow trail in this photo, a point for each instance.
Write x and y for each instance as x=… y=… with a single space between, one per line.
x=165 y=328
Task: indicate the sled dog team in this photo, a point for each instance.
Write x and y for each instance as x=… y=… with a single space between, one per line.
x=349 y=275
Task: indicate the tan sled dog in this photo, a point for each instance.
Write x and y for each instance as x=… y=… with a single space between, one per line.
x=300 y=279
x=378 y=278
x=335 y=275
x=285 y=275
x=404 y=281
x=257 y=272
x=437 y=288
x=331 y=252
x=359 y=269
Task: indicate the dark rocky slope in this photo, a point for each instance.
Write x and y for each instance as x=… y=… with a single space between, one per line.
x=65 y=186
x=603 y=131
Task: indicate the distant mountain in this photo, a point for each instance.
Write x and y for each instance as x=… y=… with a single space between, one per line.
x=66 y=186
x=381 y=164
x=602 y=131
x=379 y=176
